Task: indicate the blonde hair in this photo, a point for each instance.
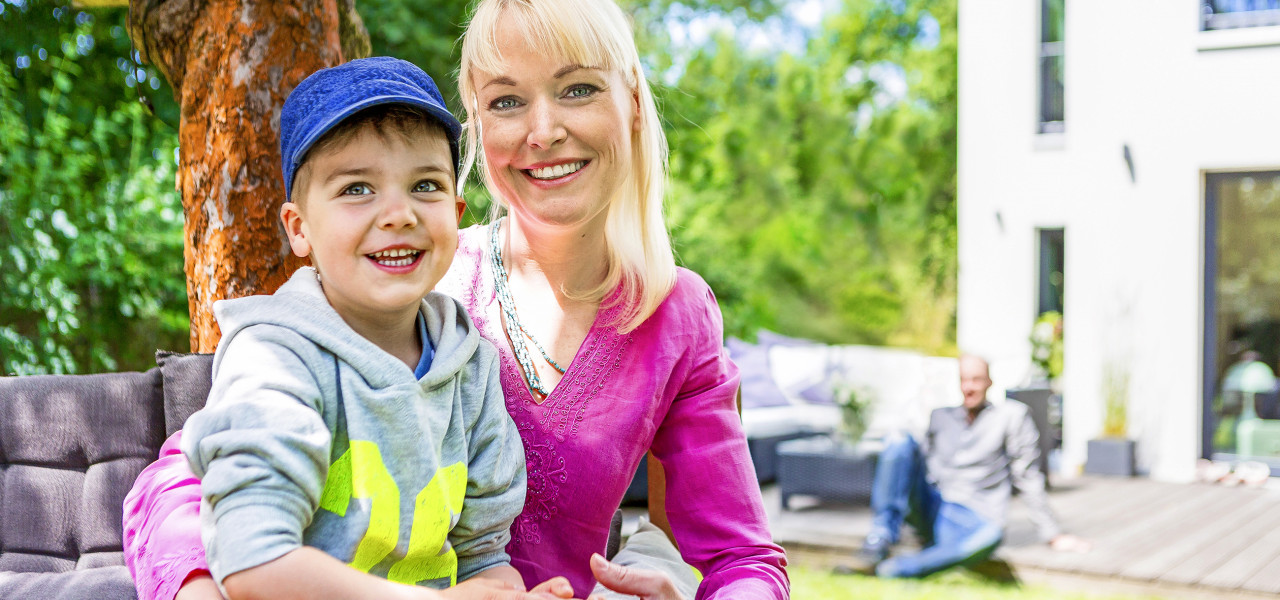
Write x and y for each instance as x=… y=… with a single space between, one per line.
x=594 y=33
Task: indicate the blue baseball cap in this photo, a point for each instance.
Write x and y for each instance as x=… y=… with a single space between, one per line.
x=328 y=96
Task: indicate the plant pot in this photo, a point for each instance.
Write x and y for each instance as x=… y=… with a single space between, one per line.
x=1111 y=456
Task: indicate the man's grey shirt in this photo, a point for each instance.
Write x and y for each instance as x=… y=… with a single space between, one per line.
x=977 y=465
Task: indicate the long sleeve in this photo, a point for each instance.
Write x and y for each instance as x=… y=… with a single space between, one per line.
x=261 y=450
x=713 y=499
x=496 y=475
x=161 y=526
x=1024 y=451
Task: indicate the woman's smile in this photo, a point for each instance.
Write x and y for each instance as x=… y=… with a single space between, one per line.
x=558 y=171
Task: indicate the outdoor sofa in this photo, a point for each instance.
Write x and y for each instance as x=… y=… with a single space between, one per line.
x=70 y=449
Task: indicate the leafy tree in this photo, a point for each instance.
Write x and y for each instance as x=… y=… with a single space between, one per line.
x=816 y=191
x=90 y=227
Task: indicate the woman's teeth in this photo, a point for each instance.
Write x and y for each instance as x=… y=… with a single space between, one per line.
x=557 y=171
x=401 y=257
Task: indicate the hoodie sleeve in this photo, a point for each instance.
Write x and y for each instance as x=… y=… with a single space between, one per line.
x=495 y=471
x=260 y=448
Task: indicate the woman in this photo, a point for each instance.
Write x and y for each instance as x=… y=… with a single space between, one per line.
x=608 y=349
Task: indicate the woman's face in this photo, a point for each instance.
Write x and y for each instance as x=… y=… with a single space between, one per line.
x=557 y=136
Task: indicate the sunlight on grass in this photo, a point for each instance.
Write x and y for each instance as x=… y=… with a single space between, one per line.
x=815 y=584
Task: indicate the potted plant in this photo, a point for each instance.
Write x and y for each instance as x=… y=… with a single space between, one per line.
x=855 y=411
x=1113 y=453
x=1040 y=391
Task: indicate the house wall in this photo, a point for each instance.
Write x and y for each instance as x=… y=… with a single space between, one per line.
x=1185 y=102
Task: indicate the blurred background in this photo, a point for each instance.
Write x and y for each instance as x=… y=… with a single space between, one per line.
x=812 y=165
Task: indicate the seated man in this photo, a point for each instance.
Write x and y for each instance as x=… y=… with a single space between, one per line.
x=954 y=487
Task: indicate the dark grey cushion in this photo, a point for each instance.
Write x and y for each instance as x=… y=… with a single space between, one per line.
x=187 y=378
x=70 y=448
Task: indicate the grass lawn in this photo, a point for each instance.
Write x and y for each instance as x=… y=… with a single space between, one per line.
x=808 y=583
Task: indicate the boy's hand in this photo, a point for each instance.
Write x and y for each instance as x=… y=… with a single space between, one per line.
x=482 y=588
x=557 y=587
x=644 y=583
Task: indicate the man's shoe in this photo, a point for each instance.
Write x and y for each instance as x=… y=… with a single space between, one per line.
x=874 y=550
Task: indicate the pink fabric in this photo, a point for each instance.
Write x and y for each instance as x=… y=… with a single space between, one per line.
x=668 y=385
x=162 y=525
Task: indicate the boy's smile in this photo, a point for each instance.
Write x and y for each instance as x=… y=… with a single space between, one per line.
x=379 y=218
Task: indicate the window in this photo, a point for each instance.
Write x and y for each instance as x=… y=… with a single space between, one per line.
x=1234 y=14
x=1052 y=270
x=1051 y=54
x=1242 y=316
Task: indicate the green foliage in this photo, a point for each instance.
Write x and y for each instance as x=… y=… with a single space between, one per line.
x=816 y=191
x=812 y=583
x=90 y=226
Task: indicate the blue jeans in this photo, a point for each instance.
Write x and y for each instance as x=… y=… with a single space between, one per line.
x=952 y=534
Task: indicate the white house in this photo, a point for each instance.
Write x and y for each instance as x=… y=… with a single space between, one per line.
x=1119 y=160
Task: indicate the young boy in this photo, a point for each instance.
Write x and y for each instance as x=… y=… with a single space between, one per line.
x=356 y=416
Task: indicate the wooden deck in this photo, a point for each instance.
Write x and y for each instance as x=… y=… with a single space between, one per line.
x=1197 y=536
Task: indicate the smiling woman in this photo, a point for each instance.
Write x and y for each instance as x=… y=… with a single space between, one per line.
x=565 y=131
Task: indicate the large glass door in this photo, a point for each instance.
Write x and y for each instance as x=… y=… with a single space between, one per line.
x=1242 y=316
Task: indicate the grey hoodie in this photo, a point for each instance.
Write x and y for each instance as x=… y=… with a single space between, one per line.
x=314 y=435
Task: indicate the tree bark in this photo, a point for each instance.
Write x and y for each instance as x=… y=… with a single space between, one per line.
x=231 y=64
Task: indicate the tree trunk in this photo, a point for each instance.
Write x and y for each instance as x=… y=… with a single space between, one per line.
x=231 y=64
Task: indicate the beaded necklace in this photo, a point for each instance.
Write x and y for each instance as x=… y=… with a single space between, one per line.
x=515 y=330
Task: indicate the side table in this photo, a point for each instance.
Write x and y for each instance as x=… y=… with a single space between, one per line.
x=826 y=468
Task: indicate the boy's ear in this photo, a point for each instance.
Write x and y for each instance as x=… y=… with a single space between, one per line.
x=461 y=206
x=295 y=228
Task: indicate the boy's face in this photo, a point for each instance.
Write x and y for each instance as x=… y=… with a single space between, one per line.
x=379 y=218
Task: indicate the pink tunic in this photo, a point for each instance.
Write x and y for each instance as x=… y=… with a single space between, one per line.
x=668 y=385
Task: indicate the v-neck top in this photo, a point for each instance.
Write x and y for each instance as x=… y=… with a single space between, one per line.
x=668 y=386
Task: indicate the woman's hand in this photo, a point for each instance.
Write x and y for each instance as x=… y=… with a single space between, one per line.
x=644 y=583
x=557 y=587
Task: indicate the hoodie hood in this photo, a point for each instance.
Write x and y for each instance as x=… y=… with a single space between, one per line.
x=300 y=306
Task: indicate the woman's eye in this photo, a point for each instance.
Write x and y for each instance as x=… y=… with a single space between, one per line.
x=581 y=90
x=503 y=103
x=426 y=187
x=357 y=189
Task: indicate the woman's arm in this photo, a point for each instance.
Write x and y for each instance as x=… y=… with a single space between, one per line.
x=713 y=500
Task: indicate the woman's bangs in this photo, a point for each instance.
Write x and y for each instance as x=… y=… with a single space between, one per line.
x=570 y=30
